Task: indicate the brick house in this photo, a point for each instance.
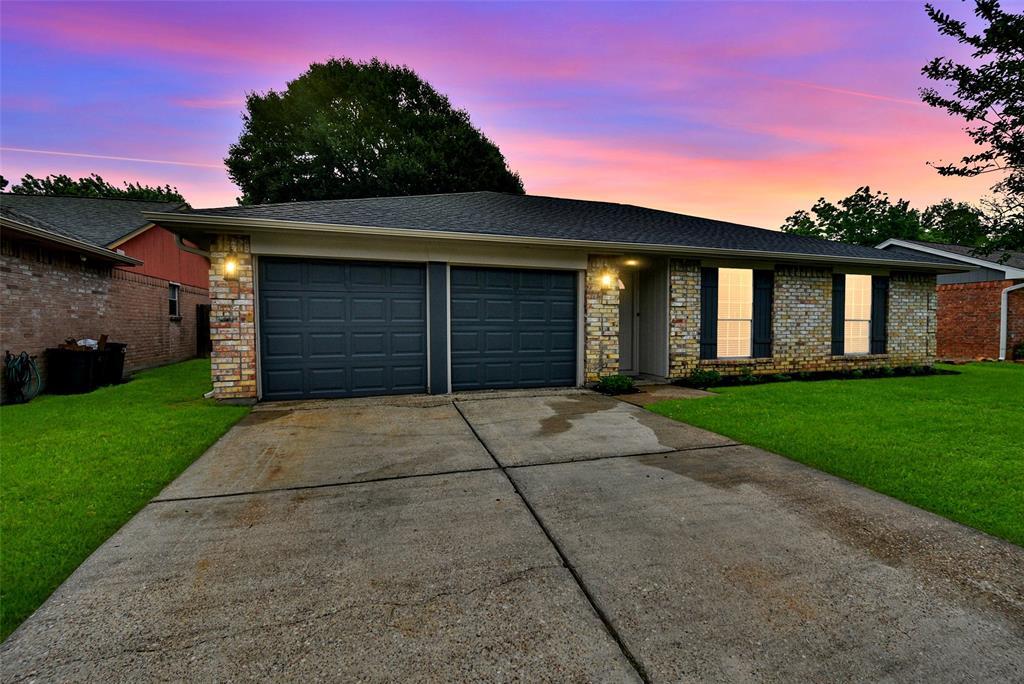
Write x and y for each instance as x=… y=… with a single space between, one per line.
x=81 y=267
x=480 y=290
x=980 y=311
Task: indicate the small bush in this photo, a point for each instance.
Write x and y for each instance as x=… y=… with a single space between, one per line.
x=856 y=374
x=886 y=371
x=1018 y=351
x=780 y=377
x=615 y=384
x=702 y=379
x=747 y=377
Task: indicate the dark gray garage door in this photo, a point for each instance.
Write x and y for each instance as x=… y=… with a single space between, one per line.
x=341 y=328
x=512 y=328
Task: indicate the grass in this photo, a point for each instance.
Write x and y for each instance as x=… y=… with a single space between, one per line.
x=73 y=469
x=951 y=444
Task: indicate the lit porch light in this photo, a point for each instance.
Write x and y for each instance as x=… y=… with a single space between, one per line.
x=631 y=262
x=607 y=280
x=231 y=267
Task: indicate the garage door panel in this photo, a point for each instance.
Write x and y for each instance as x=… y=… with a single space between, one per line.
x=512 y=328
x=341 y=328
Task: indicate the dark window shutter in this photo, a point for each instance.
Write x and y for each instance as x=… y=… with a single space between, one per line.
x=838 y=313
x=709 y=313
x=879 y=312
x=764 y=283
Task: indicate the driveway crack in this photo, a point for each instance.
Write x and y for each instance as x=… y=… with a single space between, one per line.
x=602 y=616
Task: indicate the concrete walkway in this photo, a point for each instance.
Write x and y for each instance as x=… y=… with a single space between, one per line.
x=527 y=536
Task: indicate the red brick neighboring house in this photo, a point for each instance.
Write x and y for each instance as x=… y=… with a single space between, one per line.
x=82 y=267
x=980 y=312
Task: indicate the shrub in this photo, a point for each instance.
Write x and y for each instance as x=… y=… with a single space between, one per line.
x=886 y=371
x=1018 y=351
x=703 y=379
x=747 y=377
x=615 y=384
x=780 y=377
x=856 y=374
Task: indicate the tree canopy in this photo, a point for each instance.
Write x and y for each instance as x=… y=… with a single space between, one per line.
x=988 y=94
x=347 y=129
x=92 y=186
x=869 y=218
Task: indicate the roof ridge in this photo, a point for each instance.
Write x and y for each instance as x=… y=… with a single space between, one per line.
x=88 y=197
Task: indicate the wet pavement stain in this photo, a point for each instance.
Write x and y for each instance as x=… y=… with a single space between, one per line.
x=264 y=416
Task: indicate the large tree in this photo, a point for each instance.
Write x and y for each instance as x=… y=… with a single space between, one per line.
x=360 y=129
x=869 y=218
x=988 y=93
x=93 y=186
x=863 y=218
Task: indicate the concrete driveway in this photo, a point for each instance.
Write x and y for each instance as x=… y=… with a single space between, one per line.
x=518 y=536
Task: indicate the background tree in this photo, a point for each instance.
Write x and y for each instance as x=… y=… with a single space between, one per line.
x=955 y=223
x=989 y=95
x=863 y=218
x=360 y=129
x=94 y=186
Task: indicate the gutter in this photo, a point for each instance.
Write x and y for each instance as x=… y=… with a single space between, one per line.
x=1004 y=308
x=78 y=245
x=178 y=240
x=250 y=225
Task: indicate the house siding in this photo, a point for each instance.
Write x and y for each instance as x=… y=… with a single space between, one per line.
x=47 y=296
x=802 y=324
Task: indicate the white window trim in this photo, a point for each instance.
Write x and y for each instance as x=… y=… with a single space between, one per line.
x=176 y=289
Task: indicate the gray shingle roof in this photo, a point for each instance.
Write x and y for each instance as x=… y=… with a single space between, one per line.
x=493 y=213
x=1014 y=259
x=96 y=221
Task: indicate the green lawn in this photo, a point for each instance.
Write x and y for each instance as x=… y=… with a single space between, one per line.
x=951 y=444
x=73 y=469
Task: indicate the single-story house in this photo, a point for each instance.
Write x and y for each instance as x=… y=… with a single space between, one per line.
x=484 y=290
x=980 y=311
x=82 y=267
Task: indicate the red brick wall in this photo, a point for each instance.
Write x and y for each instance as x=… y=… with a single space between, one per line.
x=968 y=319
x=46 y=296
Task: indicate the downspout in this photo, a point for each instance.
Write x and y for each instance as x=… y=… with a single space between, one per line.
x=1004 y=306
x=191 y=250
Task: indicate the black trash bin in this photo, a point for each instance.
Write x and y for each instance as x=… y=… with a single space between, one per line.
x=112 y=363
x=71 y=372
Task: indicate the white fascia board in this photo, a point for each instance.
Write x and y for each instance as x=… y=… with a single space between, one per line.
x=1011 y=272
x=251 y=225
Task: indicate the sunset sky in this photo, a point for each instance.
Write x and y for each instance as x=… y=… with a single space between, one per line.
x=737 y=111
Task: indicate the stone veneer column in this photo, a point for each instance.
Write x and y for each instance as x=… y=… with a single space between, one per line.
x=232 y=323
x=601 y=305
x=802 y=319
x=684 y=317
x=911 y=320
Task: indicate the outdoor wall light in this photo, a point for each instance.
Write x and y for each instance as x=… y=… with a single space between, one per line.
x=607 y=280
x=631 y=262
x=231 y=267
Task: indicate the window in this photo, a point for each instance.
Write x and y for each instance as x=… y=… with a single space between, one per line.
x=735 y=311
x=857 y=323
x=172 y=300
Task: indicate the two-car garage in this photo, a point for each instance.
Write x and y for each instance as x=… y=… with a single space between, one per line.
x=333 y=328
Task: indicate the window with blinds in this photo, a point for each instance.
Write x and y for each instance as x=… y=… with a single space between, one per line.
x=735 y=311
x=857 y=323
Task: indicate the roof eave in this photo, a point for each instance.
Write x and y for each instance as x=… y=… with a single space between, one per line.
x=1010 y=272
x=198 y=223
x=73 y=244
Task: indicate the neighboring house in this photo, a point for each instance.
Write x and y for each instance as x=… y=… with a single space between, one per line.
x=981 y=311
x=487 y=290
x=82 y=267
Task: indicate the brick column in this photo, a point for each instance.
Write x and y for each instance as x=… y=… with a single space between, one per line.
x=232 y=323
x=684 y=317
x=911 y=320
x=601 y=344
x=802 y=319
